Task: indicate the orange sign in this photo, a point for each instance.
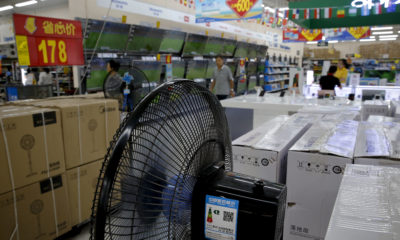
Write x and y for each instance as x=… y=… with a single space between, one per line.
x=241 y=7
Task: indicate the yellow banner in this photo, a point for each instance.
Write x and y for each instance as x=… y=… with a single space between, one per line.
x=23 y=50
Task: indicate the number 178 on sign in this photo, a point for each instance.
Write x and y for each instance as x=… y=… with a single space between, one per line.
x=52 y=51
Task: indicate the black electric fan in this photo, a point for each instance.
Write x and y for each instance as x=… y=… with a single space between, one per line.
x=138 y=87
x=167 y=169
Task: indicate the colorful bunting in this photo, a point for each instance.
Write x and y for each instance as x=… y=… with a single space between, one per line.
x=352 y=12
x=340 y=13
x=377 y=8
x=316 y=13
x=328 y=13
x=295 y=14
x=307 y=13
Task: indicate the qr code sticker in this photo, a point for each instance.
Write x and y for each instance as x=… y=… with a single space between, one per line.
x=228 y=216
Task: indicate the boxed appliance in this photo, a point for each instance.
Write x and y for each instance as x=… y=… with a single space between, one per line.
x=367 y=205
x=375 y=107
x=81 y=189
x=382 y=119
x=37 y=211
x=378 y=144
x=31 y=146
x=315 y=168
x=88 y=126
x=262 y=152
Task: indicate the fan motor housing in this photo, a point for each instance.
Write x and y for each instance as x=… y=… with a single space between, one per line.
x=261 y=205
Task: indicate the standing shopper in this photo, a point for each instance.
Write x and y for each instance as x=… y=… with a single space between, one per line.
x=222 y=80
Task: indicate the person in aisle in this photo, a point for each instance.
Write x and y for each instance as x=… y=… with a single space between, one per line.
x=30 y=77
x=113 y=82
x=329 y=82
x=45 y=77
x=222 y=80
x=342 y=71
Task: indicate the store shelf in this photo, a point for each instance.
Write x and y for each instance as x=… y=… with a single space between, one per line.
x=277 y=80
x=275 y=73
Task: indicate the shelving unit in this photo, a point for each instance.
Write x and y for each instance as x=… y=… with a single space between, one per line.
x=276 y=76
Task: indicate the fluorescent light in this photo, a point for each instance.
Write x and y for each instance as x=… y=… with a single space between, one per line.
x=372 y=37
x=5 y=8
x=312 y=42
x=23 y=4
x=334 y=41
x=381 y=28
x=387 y=39
x=270 y=9
x=388 y=36
x=381 y=33
x=367 y=40
x=283 y=9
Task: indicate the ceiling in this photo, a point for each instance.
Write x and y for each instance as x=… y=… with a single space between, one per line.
x=40 y=4
x=279 y=3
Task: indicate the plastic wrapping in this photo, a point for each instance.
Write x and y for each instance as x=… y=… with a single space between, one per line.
x=367 y=205
x=372 y=141
x=278 y=136
x=330 y=138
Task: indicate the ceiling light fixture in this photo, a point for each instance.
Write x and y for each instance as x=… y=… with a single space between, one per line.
x=381 y=28
x=334 y=41
x=382 y=33
x=367 y=40
x=388 y=36
x=23 y=4
x=312 y=42
x=387 y=39
x=5 y=8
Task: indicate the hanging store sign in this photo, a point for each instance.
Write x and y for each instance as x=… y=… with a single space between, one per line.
x=373 y=3
x=227 y=10
x=347 y=34
x=48 y=41
x=301 y=35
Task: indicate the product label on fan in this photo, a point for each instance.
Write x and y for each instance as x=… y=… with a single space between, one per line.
x=221 y=218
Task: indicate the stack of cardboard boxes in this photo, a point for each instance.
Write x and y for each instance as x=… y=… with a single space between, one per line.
x=315 y=168
x=51 y=152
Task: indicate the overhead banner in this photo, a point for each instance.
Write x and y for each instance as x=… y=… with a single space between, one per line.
x=48 y=41
x=347 y=34
x=227 y=10
x=301 y=35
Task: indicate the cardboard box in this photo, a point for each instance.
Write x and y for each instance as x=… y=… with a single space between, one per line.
x=262 y=153
x=39 y=207
x=378 y=144
x=315 y=168
x=88 y=127
x=382 y=119
x=375 y=107
x=31 y=147
x=365 y=204
x=81 y=189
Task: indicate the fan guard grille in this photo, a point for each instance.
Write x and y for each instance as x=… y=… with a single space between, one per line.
x=145 y=184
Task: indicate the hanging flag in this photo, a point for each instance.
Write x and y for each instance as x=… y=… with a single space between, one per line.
x=377 y=8
x=365 y=10
x=307 y=13
x=391 y=7
x=286 y=15
x=352 y=12
x=295 y=14
x=340 y=13
x=316 y=13
x=284 y=21
x=328 y=13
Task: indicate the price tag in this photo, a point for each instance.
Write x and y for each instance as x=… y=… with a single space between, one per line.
x=48 y=41
x=221 y=216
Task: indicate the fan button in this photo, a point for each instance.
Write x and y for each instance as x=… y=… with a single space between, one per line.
x=265 y=162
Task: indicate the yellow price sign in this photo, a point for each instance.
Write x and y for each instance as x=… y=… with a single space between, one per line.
x=23 y=50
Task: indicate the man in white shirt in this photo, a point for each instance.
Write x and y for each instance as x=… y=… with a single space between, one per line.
x=45 y=77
